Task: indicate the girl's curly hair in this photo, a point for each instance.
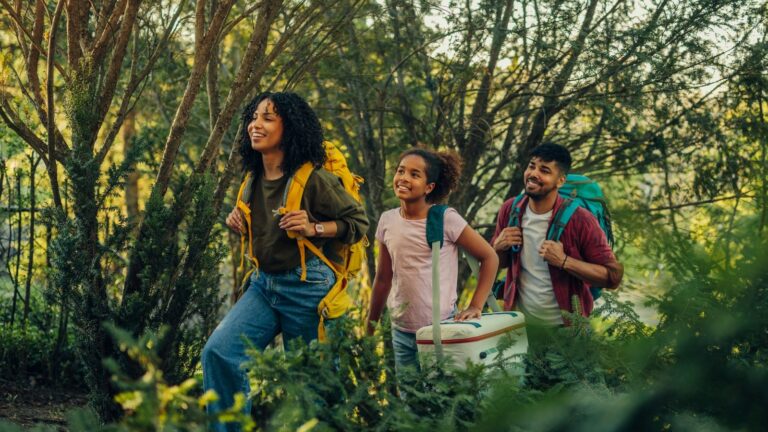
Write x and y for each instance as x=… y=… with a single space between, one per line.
x=443 y=169
x=302 y=139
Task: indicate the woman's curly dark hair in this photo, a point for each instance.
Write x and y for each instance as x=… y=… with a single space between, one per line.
x=443 y=169
x=302 y=139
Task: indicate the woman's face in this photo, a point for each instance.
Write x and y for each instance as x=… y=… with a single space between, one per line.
x=410 y=182
x=266 y=128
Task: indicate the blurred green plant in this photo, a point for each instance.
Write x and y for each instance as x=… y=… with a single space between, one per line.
x=26 y=354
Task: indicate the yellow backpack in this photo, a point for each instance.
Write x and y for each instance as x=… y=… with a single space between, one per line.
x=348 y=259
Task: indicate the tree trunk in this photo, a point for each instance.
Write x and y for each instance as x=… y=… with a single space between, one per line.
x=61 y=340
x=132 y=180
x=18 y=250
x=48 y=283
x=28 y=289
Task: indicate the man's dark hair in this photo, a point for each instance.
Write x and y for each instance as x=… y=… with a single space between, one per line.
x=549 y=152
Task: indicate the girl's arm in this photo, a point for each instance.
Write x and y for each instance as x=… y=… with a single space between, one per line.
x=475 y=245
x=382 y=283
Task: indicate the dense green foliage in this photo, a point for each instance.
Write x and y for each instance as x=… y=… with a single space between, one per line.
x=702 y=368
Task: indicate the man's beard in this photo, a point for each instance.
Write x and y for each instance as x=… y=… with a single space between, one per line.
x=540 y=194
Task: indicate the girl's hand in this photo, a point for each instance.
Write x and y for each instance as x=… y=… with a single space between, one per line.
x=297 y=221
x=471 y=312
x=235 y=221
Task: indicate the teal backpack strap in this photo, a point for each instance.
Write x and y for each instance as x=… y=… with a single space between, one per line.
x=563 y=215
x=514 y=217
x=561 y=219
x=435 y=237
x=435 y=223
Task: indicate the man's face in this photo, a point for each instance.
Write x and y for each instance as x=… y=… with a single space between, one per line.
x=542 y=178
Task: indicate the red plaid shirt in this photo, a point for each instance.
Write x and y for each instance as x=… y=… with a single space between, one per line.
x=582 y=239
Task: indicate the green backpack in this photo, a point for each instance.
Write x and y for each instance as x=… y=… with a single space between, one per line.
x=578 y=191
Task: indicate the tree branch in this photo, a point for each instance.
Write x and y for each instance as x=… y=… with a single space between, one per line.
x=137 y=79
x=242 y=83
x=33 y=56
x=181 y=118
x=13 y=122
x=113 y=73
x=51 y=126
x=107 y=32
x=699 y=203
x=77 y=13
x=17 y=19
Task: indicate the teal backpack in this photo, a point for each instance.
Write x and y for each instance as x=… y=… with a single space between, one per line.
x=578 y=191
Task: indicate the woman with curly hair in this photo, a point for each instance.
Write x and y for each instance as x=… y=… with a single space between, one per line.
x=424 y=178
x=283 y=133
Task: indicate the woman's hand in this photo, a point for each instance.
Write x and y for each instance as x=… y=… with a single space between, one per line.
x=471 y=312
x=235 y=221
x=297 y=221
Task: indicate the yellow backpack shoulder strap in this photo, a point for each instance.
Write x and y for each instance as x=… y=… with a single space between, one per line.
x=294 y=192
x=244 y=195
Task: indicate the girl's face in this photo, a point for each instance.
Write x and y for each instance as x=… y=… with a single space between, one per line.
x=410 y=182
x=266 y=128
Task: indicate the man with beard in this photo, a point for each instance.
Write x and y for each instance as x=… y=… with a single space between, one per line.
x=545 y=277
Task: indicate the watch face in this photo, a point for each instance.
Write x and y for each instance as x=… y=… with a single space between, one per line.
x=319 y=228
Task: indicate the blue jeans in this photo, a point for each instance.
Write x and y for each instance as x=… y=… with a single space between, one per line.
x=273 y=303
x=404 y=347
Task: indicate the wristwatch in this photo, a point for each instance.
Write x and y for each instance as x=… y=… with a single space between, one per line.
x=319 y=229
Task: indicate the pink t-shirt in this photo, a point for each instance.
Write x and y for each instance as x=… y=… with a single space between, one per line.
x=410 y=299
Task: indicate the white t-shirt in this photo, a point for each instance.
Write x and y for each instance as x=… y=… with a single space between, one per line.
x=410 y=299
x=537 y=298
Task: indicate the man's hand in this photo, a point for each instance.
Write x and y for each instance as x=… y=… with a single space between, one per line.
x=552 y=252
x=297 y=221
x=235 y=221
x=510 y=236
x=471 y=312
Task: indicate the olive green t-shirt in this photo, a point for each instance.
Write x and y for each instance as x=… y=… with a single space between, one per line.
x=324 y=200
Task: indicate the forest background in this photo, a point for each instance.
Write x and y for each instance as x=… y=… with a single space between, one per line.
x=118 y=163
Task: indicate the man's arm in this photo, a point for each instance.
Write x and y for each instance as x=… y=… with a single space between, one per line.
x=607 y=276
x=599 y=266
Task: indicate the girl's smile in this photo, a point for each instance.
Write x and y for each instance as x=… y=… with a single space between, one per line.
x=410 y=182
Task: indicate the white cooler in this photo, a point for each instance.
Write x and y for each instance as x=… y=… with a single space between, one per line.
x=475 y=340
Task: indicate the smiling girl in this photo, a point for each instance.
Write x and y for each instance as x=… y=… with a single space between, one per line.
x=404 y=271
